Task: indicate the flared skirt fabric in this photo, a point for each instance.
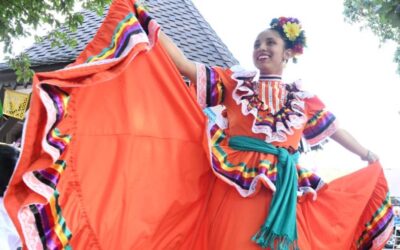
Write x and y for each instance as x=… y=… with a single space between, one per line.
x=352 y=212
x=113 y=154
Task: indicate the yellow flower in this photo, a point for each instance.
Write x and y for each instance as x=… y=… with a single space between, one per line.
x=292 y=30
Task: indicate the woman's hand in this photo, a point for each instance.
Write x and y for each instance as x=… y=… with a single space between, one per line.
x=371 y=157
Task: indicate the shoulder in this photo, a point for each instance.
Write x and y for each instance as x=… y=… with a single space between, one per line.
x=310 y=101
x=231 y=76
x=296 y=89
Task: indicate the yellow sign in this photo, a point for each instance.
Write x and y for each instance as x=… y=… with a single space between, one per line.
x=15 y=103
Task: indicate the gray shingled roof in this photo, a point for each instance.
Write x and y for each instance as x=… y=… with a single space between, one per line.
x=43 y=54
x=180 y=19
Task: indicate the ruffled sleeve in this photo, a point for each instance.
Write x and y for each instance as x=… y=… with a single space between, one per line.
x=210 y=89
x=321 y=123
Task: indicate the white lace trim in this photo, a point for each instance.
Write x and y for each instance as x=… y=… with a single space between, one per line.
x=294 y=121
x=383 y=237
x=25 y=216
x=28 y=224
x=51 y=119
x=201 y=84
x=37 y=186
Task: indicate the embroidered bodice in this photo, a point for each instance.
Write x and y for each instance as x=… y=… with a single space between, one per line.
x=264 y=108
x=277 y=108
x=271 y=93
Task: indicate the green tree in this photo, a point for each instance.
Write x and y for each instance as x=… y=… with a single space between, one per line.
x=22 y=18
x=381 y=16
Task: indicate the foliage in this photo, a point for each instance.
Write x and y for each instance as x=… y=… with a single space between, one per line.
x=381 y=16
x=21 y=65
x=22 y=18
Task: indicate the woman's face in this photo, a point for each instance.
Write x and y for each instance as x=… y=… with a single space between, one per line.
x=269 y=54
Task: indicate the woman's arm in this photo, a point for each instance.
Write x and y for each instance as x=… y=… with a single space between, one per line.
x=345 y=139
x=185 y=66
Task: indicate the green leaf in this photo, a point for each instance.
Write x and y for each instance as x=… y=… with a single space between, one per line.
x=382 y=17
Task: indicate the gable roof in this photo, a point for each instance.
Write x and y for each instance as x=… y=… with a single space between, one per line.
x=180 y=19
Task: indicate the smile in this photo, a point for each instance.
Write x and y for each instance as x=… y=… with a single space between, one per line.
x=263 y=57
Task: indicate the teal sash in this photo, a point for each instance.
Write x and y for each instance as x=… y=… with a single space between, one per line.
x=279 y=231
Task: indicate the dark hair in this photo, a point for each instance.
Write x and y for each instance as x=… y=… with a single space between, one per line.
x=8 y=158
x=285 y=41
x=291 y=32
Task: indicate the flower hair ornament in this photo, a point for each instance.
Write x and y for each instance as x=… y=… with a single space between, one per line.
x=290 y=30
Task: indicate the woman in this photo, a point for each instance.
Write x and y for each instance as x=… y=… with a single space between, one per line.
x=112 y=177
x=267 y=113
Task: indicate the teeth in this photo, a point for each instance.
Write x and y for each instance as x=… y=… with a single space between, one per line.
x=263 y=57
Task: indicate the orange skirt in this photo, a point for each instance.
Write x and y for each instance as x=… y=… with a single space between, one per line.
x=352 y=212
x=113 y=154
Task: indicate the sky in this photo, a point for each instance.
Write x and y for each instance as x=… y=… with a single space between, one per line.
x=347 y=68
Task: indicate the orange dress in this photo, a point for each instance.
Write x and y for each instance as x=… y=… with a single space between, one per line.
x=116 y=156
x=352 y=212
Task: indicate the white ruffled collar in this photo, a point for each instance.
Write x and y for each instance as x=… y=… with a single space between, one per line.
x=276 y=127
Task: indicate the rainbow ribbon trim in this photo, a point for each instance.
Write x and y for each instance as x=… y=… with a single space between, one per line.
x=380 y=221
x=243 y=175
x=49 y=224
x=125 y=29
x=215 y=90
x=129 y=27
x=319 y=123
